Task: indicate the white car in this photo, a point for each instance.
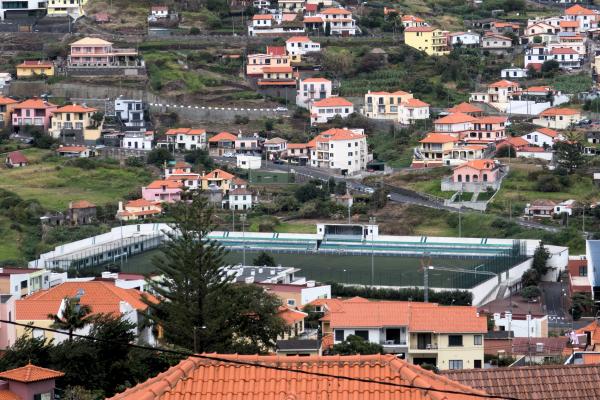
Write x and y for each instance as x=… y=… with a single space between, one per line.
x=228 y=155
x=369 y=190
x=281 y=109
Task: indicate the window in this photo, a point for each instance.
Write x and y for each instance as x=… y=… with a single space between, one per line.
x=455 y=340
x=455 y=364
x=339 y=335
x=478 y=340
x=476 y=363
x=23 y=284
x=291 y=302
x=363 y=334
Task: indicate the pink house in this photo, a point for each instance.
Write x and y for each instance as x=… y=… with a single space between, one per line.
x=163 y=190
x=95 y=52
x=28 y=382
x=32 y=112
x=476 y=171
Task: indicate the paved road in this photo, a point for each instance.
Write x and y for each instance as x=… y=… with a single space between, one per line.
x=357 y=186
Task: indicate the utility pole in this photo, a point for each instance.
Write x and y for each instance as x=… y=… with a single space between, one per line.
x=243 y=219
x=372 y=221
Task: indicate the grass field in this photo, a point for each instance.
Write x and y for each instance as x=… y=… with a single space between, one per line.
x=9 y=245
x=54 y=185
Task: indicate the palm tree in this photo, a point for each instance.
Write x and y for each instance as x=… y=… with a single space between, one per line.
x=74 y=316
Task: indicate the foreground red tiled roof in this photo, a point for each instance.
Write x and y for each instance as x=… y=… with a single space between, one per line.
x=465 y=108
x=30 y=373
x=333 y=102
x=102 y=297
x=195 y=378
x=559 y=111
x=541 y=382
x=287 y=314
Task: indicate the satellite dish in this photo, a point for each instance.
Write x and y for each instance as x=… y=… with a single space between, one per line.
x=80 y=292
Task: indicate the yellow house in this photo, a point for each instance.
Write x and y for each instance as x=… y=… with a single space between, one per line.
x=61 y=8
x=432 y=41
x=6 y=107
x=218 y=178
x=384 y=105
x=33 y=68
x=75 y=119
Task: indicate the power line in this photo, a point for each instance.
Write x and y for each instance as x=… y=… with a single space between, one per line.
x=266 y=366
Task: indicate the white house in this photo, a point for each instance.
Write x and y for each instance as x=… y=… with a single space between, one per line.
x=588 y=19
x=5 y=79
x=158 y=12
x=566 y=57
x=130 y=112
x=558 y=118
x=324 y=110
x=344 y=150
x=239 y=199
x=468 y=39
x=275 y=147
x=244 y=161
x=412 y=110
x=514 y=73
x=301 y=45
x=311 y=89
x=339 y=21
x=543 y=137
x=137 y=140
x=492 y=41
x=187 y=138
x=565 y=207
x=531 y=326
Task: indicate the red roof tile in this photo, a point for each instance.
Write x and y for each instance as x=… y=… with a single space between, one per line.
x=503 y=83
x=71 y=149
x=34 y=104
x=30 y=373
x=333 y=102
x=74 y=108
x=483 y=164
x=223 y=136
x=185 y=131
x=196 y=378
x=456 y=118
x=158 y=184
x=541 y=382
x=335 y=11
x=7 y=100
x=218 y=174
x=16 y=157
x=338 y=134
x=276 y=50
x=81 y=204
x=578 y=10
x=559 y=111
x=35 y=63
x=465 y=108
x=438 y=138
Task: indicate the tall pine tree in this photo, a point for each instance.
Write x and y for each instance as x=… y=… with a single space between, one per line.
x=191 y=269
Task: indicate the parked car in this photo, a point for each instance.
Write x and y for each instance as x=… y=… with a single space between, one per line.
x=229 y=155
x=280 y=162
x=281 y=109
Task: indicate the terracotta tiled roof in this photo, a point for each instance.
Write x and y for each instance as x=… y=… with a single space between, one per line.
x=290 y=316
x=313 y=19
x=415 y=103
x=81 y=204
x=223 y=136
x=71 y=149
x=559 y=111
x=8 y=395
x=446 y=319
x=185 y=131
x=333 y=102
x=538 y=89
x=91 y=41
x=491 y=119
x=578 y=10
x=294 y=39
x=370 y=314
x=141 y=203
x=7 y=100
x=335 y=11
x=257 y=17
x=316 y=80
x=515 y=142
x=195 y=378
x=541 y=382
x=590 y=358
x=74 y=108
x=276 y=50
x=35 y=104
x=484 y=164
x=218 y=174
x=274 y=70
x=456 y=118
x=297 y=145
x=542 y=203
x=16 y=157
x=30 y=373
x=412 y=18
x=465 y=108
x=438 y=138
x=594 y=329
x=158 y=184
x=550 y=345
x=102 y=297
x=547 y=131
x=562 y=50
x=35 y=63
x=338 y=134
x=382 y=93
x=569 y=24
x=503 y=83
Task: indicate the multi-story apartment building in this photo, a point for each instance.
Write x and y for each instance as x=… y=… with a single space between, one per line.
x=75 y=120
x=432 y=41
x=275 y=56
x=432 y=149
x=587 y=19
x=422 y=333
x=96 y=52
x=339 y=21
x=312 y=89
x=399 y=106
x=64 y=8
x=344 y=150
x=131 y=113
x=221 y=143
x=558 y=118
x=324 y=110
x=187 y=138
x=297 y=46
x=22 y=8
